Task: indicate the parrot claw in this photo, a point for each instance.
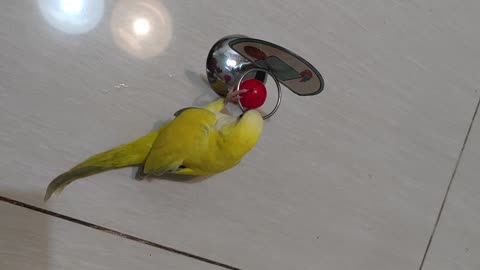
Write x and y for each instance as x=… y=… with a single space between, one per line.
x=234 y=95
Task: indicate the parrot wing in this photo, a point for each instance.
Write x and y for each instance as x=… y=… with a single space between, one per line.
x=187 y=136
x=203 y=141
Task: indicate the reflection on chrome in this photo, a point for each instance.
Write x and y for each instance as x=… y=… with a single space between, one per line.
x=231 y=62
x=72 y=16
x=142 y=28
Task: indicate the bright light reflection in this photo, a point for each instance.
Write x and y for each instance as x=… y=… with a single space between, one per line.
x=231 y=63
x=72 y=16
x=141 y=26
x=72 y=6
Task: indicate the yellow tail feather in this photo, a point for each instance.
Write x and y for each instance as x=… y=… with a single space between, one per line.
x=134 y=153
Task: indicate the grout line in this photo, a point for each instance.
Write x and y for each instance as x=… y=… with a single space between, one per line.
x=454 y=173
x=116 y=233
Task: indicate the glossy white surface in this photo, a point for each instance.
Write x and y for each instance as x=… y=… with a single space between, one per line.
x=350 y=179
x=30 y=240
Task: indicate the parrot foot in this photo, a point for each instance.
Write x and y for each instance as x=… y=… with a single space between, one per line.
x=233 y=96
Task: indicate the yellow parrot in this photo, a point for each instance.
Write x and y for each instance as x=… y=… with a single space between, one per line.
x=198 y=141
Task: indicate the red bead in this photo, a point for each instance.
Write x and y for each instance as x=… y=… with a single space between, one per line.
x=255 y=96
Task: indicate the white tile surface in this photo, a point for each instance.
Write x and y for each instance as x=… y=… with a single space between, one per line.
x=456 y=243
x=31 y=240
x=349 y=179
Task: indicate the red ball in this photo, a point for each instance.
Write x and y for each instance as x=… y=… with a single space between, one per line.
x=255 y=96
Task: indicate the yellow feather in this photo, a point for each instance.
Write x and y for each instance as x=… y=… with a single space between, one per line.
x=130 y=154
x=216 y=106
x=199 y=141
